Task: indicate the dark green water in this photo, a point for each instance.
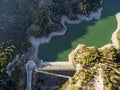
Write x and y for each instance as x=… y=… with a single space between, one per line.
x=92 y=33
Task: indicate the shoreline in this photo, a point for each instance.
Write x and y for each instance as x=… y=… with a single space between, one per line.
x=114 y=39
x=36 y=42
x=115 y=42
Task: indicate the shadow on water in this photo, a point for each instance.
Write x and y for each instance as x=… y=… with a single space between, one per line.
x=60 y=44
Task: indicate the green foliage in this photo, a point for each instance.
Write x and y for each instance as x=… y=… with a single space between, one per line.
x=52 y=13
x=92 y=88
x=109 y=86
x=86 y=56
x=82 y=77
x=108 y=54
x=119 y=88
x=86 y=6
x=41 y=19
x=16 y=72
x=113 y=79
x=41 y=16
x=6 y=54
x=22 y=46
x=58 y=7
x=90 y=57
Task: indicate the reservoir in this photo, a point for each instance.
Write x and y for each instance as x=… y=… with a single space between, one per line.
x=91 y=33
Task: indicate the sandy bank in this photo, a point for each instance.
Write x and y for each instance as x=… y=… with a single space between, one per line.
x=118 y=19
x=114 y=35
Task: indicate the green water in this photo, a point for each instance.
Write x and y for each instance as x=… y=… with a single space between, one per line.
x=92 y=33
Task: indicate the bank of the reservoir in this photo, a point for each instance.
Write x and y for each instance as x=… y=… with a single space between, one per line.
x=91 y=33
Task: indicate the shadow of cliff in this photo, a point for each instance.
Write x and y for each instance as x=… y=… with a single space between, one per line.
x=50 y=51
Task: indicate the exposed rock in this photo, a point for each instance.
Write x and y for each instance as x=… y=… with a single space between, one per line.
x=114 y=38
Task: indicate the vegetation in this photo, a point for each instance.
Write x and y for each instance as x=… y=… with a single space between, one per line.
x=58 y=7
x=18 y=16
x=86 y=6
x=86 y=56
x=42 y=17
x=8 y=50
x=6 y=54
x=47 y=24
x=110 y=52
x=45 y=15
x=91 y=60
x=45 y=21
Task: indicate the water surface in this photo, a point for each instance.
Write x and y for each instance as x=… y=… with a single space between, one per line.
x=91 y=33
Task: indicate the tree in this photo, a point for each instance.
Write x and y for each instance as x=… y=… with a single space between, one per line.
x=6 y=54
x=41 y=19
x=41 y=16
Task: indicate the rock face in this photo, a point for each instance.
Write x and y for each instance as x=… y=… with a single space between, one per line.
x=115 y=38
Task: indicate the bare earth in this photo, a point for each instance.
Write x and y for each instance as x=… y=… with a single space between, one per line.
x=114 y=35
